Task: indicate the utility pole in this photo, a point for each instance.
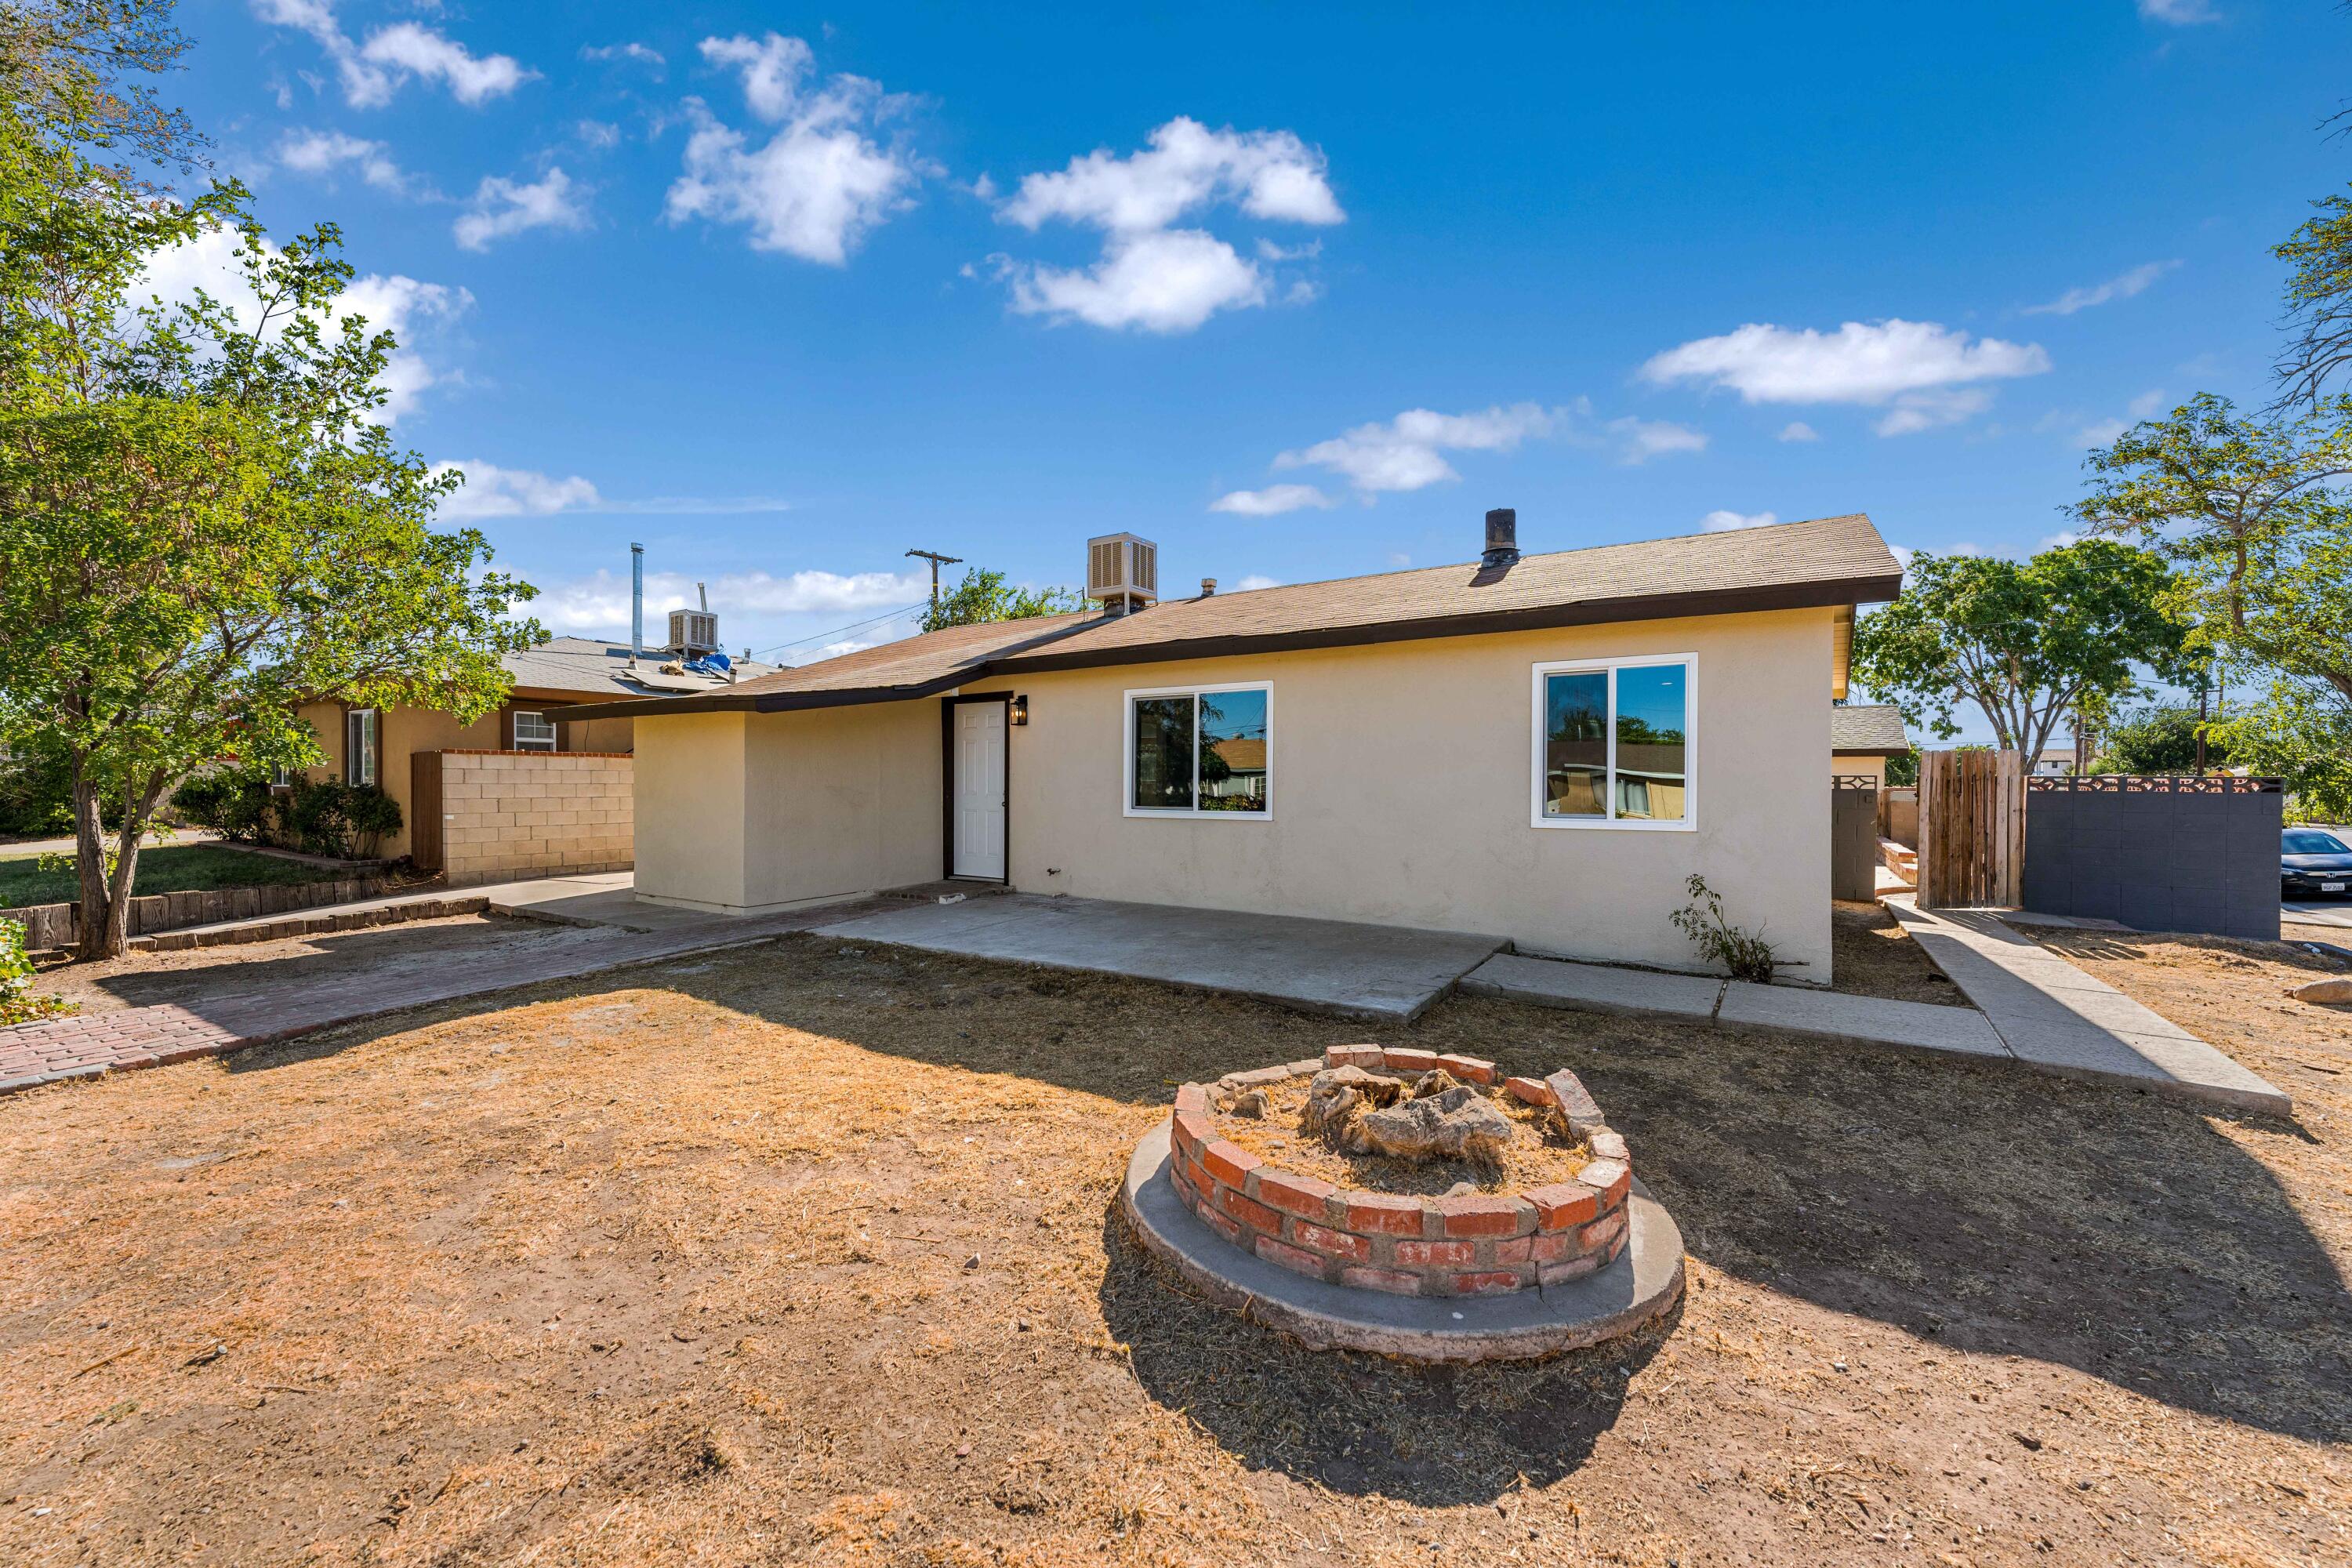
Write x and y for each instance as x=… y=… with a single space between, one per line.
x=936 y=561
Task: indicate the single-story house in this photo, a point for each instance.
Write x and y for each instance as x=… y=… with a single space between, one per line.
x=373 y=746
x=1538 y=747
x=2055 y=762
x=1863 y=736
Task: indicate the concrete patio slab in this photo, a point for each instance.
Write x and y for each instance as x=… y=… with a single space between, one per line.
x=1870 y=1020
x=2054 y=1015
x=1593 y=987
x=1388 y=974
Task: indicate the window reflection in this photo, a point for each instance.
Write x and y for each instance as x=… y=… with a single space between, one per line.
x=1232 y=751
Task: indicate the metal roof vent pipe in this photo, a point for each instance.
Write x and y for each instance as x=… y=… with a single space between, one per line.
x=636 y=603
x=1502 y=538
x=1208 y=588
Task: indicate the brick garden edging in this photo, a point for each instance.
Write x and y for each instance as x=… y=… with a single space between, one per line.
x=1473 y=1245
x=48 y=926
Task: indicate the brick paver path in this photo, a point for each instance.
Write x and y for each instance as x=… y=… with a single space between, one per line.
x=90 y=1043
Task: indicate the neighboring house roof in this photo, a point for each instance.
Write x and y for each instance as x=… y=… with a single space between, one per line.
x=1835 y=561
x=1870 y=730
x=590 y=668
x=1243 y=753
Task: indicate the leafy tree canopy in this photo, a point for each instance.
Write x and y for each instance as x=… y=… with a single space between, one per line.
x=985 y=596
x=2027 y=642
x=2158 y=740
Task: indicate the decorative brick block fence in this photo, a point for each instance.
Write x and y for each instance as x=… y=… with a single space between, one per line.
x=1476 y=1244
x=489 y=817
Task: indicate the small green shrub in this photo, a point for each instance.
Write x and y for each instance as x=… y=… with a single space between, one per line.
x=17 y=1003
x=238 y=806
x=1747 y=955
x=345 y=821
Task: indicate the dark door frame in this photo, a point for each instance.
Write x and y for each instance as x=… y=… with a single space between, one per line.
x=947 y=706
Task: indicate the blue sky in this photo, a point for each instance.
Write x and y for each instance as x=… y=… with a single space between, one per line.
x=1296 y=292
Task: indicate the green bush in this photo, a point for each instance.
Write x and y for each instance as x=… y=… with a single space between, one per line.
x=17 y=1003
x=346 y=821
x=1747 y=955
x=36 y=796
x=238 y=806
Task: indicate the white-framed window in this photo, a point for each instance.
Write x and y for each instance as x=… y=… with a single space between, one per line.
x=360 y=739
x=1616 y=743
x=534 y=731
x=1200 y=751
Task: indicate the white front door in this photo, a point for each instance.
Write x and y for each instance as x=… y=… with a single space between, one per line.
x=979 y=790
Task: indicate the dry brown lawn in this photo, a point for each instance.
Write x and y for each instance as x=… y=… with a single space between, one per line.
x=804 y=1254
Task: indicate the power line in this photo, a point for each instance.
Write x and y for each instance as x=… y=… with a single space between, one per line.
x=936 y=561
x=837 y=631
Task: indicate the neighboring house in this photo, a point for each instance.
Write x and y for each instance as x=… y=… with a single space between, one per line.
x=374 y=746
x=2055 y=762
x=1863 y=737
x=1540 y=748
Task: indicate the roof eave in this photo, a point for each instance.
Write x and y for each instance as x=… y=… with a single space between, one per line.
x=1840 y=594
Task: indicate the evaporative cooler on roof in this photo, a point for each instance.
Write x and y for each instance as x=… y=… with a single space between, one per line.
x=1122 y=572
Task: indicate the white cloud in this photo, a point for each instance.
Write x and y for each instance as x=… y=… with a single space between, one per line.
x=1916 y=411
x=502 y=209
x=2147 y=404
x=1270 y=174
x=599 y=602
x=2179 y=13
x=2121 y=287
x=1399 y=559
x=1271 y=500
x=598 y=134
x=1721 y=521
x=326 y=151
x=1798 y=430
x=635 y=53
x=490 y=490
x=2101 y=433
x=1642 y=439
x=411 y=310
x=820 y=183
x=1152 y=275
x=1407 y=453
x=1871 y=363
x=1255 y=581
x=1166 y=281
x=372 y=73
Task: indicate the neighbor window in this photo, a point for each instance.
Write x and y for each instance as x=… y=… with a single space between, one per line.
x=534 y=731
x=1613 y=743
x=360 y=746
x=1200 y=751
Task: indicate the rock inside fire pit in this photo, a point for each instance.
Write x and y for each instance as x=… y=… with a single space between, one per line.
x=1365 y=1114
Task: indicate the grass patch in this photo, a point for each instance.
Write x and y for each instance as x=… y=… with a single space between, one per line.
x=180 y=869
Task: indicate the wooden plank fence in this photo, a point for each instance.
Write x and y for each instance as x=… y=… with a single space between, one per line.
x=1971 y=828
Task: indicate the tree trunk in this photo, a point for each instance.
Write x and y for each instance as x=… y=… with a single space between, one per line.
x=95 y=916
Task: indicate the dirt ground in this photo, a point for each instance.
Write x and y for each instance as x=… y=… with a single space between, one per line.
x=1871 y=955
x=804 y=1253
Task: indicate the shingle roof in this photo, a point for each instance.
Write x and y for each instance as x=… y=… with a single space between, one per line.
x=1833 y=562
x=1867 y=729
x=591 y=668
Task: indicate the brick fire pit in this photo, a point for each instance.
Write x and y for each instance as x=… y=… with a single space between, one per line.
x=1459 y=1275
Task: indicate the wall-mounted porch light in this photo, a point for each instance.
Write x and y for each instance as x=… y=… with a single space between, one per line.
x=1019 y=710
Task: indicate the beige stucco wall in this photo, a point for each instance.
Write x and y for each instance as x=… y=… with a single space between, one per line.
x=1402 y=786
x=509 y=815
x=755 y=812
x=1858 y=767
x=1403 y=783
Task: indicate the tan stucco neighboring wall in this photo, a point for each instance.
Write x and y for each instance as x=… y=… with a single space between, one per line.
x=755 y=812
x=1859 y=767
x=1402 y=786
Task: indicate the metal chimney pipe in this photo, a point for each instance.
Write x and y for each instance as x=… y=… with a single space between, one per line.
x=636 y=603
x=1502 y=537
x=702 y=598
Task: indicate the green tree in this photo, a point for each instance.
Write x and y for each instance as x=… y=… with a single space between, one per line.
x=2161 y=739
x=2318 y=301
x=2027 y=642
x=2251 y=509
x=985 y=596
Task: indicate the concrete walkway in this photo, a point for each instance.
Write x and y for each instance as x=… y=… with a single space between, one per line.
x=96 y=1042
x=2052 y=1015
x=1388 y=974
x=2027 y=1005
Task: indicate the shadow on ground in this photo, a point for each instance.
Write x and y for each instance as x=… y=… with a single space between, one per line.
x=1978 y=1207
x=1433 y=1436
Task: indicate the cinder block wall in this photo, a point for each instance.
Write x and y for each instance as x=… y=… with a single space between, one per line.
x=507 y=815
